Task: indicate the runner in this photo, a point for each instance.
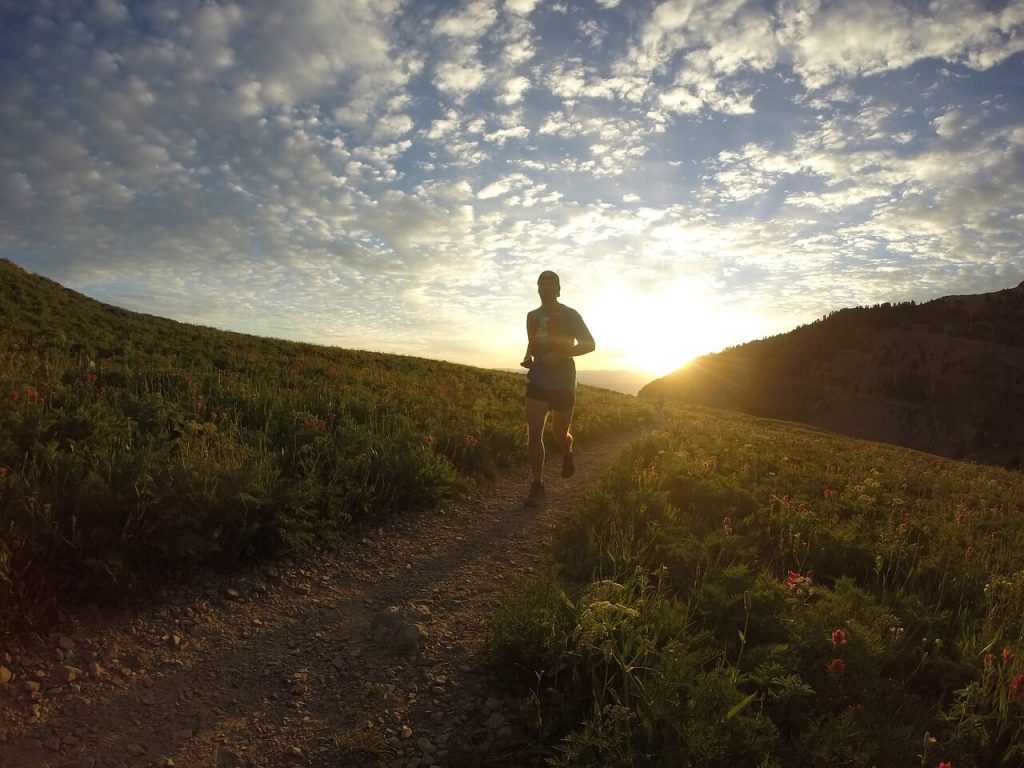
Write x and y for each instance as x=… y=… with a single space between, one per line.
x=556 y=335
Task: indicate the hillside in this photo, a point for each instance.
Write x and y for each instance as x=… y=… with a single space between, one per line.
x=133 y=446
x=946 y=376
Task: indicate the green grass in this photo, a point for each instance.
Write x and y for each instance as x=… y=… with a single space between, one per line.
x=133 y=447
x=744 y=592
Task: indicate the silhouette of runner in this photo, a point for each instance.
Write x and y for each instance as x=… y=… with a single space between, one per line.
x=556 y=335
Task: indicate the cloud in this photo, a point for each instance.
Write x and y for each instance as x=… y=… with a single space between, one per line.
x=868 y=37
x=475 y=18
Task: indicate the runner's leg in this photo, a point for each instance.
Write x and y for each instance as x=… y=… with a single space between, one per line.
x=536 y=418
x=560 y=422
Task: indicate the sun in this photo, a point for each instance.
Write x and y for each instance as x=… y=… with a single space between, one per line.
x=660 y=331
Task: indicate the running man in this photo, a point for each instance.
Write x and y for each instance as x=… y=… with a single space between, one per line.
x=556 y=335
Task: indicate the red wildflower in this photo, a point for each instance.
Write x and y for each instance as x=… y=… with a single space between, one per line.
x=14 y=395
x=945 y=764
x=3 y=470
x=90 y=378
x=1007 y=654
x=429 y=439
x=960 y=518
x=727 y=525
x=838 y=666
x=839 y=637
x=794 y=580
x=1017 y=685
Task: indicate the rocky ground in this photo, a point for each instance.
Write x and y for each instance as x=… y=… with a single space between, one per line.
x=369 y=655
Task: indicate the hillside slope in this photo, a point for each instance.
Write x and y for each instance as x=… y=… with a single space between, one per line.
x=945 y=377
x=133 y=446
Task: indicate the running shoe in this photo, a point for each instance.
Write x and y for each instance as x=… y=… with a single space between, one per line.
x=535 y=495
x=568 y=464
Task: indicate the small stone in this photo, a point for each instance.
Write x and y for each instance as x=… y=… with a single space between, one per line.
x=131 y=661
x=257 y=623
x=406 y=732
x=5 y=675
x=425 y=745
x=31 y=686
x=493 y=705
x=136 y=749
x=96 y=671
x=232 y=594
x=66 y=643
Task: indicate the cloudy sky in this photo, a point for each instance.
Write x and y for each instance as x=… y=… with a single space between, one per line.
x=393 y=174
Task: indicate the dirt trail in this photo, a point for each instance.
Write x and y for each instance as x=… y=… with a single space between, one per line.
x=303 y=665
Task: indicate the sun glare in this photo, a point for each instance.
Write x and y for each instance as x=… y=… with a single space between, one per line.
x=659 y=332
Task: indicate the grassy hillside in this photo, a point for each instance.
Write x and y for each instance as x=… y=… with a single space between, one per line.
x=132 y=446
x=946 y=376
x=744 y=592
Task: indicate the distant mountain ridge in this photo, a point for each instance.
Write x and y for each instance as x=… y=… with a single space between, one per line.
x=945 y=376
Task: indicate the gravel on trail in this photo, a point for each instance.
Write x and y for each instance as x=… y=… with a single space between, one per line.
x=367 y=655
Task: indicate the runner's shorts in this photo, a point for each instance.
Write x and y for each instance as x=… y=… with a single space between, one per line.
x=557 y=399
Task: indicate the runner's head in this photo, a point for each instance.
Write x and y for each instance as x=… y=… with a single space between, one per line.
x=548 y=285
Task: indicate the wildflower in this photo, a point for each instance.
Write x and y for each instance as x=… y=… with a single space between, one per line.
x=1017 y=684
x=989 y=658
x=429 y=439
x=90 y=378
x=469 y=441
x=14 y=395
x=727 y=525
x=793 y=580
x=839 y=637
x=960 y=518
x=3 y=471
x=994 y=535
x=1007 y=654
x=945 y=764
x=838 y=666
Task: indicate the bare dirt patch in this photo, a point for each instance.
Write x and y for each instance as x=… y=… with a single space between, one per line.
x=369 y=655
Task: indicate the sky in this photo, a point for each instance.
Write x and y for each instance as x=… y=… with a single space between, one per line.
x=393 y=175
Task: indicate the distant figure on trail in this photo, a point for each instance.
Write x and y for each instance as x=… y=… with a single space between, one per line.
x=556 y=335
